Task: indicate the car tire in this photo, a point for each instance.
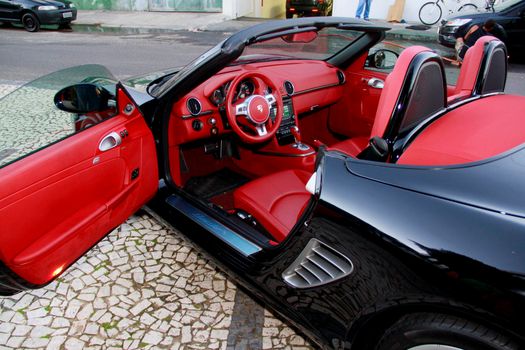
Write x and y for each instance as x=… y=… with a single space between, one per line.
x=289 y=15
x=428 y=331
x=30 y=22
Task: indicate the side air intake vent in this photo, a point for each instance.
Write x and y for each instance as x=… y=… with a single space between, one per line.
x=341 y=77
x=194 y=106
x=288 y=86
x=317 y=264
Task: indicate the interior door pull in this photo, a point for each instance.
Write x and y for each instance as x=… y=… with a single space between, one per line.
x=376 y=83
x=110 y=141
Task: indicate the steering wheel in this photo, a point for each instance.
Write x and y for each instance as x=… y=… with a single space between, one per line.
x=250 y=118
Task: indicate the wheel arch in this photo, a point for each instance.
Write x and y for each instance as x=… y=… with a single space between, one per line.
x=367 y=332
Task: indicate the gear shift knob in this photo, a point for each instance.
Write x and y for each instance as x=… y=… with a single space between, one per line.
x=294 y=130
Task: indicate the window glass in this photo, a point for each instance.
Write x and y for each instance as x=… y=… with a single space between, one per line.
x=29 y=120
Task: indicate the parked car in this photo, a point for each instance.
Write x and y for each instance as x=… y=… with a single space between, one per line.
x=308 y=8
x=509 y=14
x=357 y=204
x=33 y=13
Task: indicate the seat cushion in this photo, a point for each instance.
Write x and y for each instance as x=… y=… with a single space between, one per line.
x=276 y=201
x=352 y=146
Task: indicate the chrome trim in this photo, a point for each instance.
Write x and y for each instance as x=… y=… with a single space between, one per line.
x=186 y=116
x=189 y=109
x=318 y=264
x=239 y=243
x=316 y=88
x=293 y=88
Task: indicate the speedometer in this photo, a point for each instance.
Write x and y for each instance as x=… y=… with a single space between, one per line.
x=218 y=97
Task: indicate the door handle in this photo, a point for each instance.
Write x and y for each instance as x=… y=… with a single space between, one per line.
x=376 y=83
x=109 y=141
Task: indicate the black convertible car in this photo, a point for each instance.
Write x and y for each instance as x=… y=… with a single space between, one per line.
x=346 y=187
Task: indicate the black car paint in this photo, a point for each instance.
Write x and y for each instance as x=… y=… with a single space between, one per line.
x=511 y=19
x=13 y=10
x=406 y=249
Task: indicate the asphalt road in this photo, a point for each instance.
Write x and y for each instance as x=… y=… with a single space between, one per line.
x=25 y=56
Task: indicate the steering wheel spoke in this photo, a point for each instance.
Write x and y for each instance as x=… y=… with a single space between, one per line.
x=261 y=129
x=270 y=98
x=241 y=109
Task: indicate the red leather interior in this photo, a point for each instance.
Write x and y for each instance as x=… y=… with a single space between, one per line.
x=386 y=105
x=316 y=84
x=353 y=116
x=474 y=131
x=392 y=89
x=352 y=146
x=470 y=69
x=58 y=202
x=276 y=200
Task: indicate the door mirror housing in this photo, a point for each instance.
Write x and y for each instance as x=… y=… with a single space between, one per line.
x=84 y=98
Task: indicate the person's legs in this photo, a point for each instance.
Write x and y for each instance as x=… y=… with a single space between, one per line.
x=360 y=8
x=367 y=8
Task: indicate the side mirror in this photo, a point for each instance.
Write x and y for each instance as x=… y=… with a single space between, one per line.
x=84 y=98
x=382 y=59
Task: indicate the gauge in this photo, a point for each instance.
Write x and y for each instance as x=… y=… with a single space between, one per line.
x=246 y=88
x=218 y=97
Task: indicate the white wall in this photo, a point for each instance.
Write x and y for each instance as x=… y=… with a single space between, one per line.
x=379 y=9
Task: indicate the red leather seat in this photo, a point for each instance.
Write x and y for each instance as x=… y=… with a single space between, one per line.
x=473 y=71
x=387 y=103
x=276 y=201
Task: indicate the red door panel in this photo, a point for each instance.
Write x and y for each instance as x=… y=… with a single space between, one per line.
x=354 y=115
x=57 y=203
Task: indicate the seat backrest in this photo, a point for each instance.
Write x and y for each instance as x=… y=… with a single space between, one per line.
x=413 y=91
x=484 y=69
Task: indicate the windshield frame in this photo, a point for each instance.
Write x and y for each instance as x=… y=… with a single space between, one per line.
x=224 y=53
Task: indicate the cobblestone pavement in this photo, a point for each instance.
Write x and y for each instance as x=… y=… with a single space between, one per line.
x=143 y=286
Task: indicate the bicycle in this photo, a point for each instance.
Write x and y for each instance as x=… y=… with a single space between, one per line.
x=430 y=12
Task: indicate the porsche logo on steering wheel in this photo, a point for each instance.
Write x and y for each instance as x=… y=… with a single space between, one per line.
x=260 y=108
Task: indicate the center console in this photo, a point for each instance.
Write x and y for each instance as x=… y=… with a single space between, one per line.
x=283 y=134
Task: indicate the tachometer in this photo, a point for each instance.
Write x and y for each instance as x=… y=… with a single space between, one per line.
x=246 y=88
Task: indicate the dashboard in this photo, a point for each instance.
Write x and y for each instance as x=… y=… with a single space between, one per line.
x=304 y=85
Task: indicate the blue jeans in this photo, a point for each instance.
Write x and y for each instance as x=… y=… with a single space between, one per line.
x=366 y=4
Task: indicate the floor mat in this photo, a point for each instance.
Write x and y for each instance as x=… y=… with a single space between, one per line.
x=215 y=184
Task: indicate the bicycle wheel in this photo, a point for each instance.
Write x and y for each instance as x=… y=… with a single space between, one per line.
x=467 y=8
x=430 y=13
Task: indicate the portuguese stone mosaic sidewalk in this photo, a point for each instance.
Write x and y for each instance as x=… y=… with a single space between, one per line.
x=142 y=287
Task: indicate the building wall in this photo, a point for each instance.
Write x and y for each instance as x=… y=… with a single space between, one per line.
x=379 y=8
x=151 y=5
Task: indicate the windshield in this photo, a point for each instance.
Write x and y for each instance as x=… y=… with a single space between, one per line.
x=322 y=46
x=506 y=4
x=29 y=119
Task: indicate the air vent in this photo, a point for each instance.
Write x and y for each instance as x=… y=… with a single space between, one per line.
x=289 y=88
x=194 y=106
x=341 y=77
x=317 y=264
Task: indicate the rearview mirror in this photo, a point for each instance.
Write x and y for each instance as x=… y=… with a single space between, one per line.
x=382 y=59
x=84 y=98
x=304 y=37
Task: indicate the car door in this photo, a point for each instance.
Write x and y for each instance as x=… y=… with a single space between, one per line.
x=64 y=184
x=8 y=9
x=355 y=115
